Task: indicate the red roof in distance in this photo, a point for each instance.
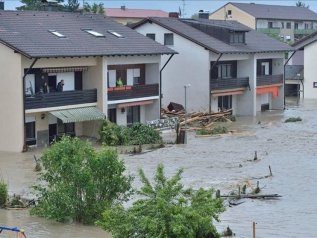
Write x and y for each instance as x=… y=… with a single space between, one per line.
x=134 y=13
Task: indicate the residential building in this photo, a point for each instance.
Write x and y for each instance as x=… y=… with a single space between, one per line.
x=90 y=53
x=294 y=76
x=229 y=65
x=127 y=16
x=308 y=46
x=287 y=23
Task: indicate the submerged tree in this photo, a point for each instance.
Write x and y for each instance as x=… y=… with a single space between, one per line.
x=78 y=182
x=166 y=209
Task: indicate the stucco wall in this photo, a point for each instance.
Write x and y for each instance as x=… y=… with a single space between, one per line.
x=190 y=66
x=11 y=101
x=236 y=14
x=310 y=70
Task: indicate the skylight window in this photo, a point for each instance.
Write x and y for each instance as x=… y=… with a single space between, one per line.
x=94 y=33
x=116 y=34
x=56 y=33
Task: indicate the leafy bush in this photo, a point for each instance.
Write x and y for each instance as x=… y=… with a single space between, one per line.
x=138 y=134
x=215 y=131
x=293 y=119
x=166 y=209
x=78 y=182
x=3 y=193
x=111 y=134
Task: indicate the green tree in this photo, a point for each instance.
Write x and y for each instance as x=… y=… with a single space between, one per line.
x=94 y=8
x=36 y=5
x=166 y=210
x=78 y=182
x=71 y=6
x=299 y=3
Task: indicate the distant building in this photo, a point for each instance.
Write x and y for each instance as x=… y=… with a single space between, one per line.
x=288 y=23
x=229 y=65
x=308 y=85
x=126 y=15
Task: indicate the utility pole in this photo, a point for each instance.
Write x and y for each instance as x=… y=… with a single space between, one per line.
x=183 y=13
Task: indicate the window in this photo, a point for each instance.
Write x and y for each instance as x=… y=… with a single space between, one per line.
x=270 y=24
x=237 y=38
x=151 y=36
x=112 y=115
x=282 y=25
x=229 y=13
x=306 y=26
x=314 y=84
x=224 y=71
x=116 y=34
x=224 y=102
x=296 y=25
x=133 y=115
x=30 y=133
x=288 y=25
x=168 y=39
x=56 y=33
x=94 y=33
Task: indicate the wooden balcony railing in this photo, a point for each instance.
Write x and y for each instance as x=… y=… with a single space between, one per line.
x=136 y=91
x=269 y=80
x=231 y=83
x=58 y=99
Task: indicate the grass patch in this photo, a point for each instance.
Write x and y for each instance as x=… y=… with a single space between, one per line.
x=293 y=119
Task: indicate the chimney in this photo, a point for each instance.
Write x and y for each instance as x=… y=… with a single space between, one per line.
x=1 y=5
x=173 y=14
x=122 y=8
x=203 y=14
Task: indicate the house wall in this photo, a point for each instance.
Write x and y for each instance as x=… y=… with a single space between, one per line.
x=310 y=70
x=11 y=101
x=190 y=66
x=236 y=14
x=297 y=59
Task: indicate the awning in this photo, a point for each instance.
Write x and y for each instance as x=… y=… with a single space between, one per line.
x=64 y=69
x=274 y=90
x=228 y=93
x=132 y=104
x=78 y=114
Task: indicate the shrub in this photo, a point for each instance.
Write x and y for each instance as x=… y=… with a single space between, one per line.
x=139 y=134
x=203 y=131
x=3 y=193
x=293 y=119
x=165 y=209
x=77 y=182
x=111 y=134
x=215 y=131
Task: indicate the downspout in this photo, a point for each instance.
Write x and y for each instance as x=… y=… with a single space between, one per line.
x=23 y=95
x=160 y=87
x=284 y=73
x=211 y=68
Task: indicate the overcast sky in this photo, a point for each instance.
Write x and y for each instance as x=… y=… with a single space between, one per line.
x=191 y=6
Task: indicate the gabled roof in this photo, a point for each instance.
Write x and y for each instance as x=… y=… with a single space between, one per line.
x=134 y=13
x=299 y=45
x=256 y=42
x=263 y=11
x=28 y=32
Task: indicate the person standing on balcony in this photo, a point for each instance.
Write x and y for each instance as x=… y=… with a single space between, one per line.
x=60 y=86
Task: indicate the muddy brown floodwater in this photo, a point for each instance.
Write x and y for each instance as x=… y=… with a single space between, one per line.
x=222 y=162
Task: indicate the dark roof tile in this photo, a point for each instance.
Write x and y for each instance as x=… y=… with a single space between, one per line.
x=28 y=33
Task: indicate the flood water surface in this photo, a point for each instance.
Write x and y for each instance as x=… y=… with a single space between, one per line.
x=222 y=162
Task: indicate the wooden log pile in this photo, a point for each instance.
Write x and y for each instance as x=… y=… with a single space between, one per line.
x=199 y=119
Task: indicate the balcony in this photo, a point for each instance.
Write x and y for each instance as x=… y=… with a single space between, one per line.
x=136 y=91
x=58 y=99
x=269 y=30
x=231 y=83
x=303 y=31
x=266 y=80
